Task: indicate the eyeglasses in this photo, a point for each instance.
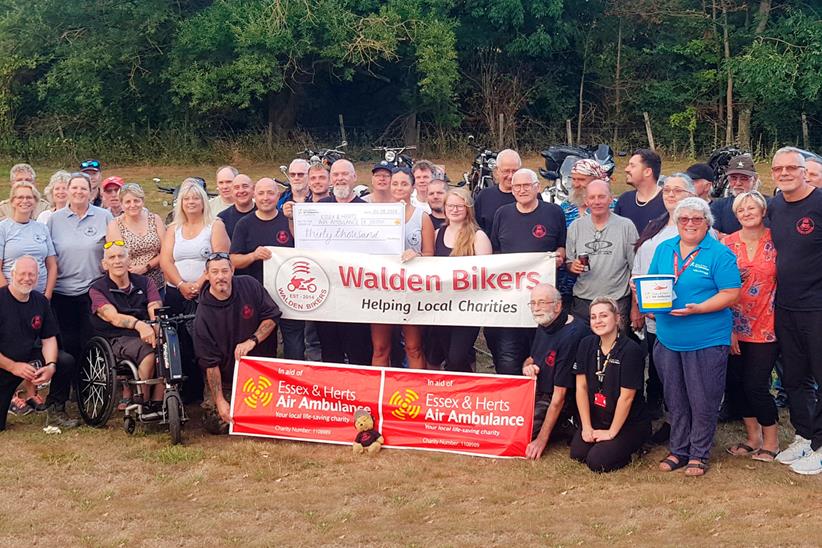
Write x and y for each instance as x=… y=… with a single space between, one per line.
x=541 y=303
x=218 y=256
x=792 y=170
x=684 y=221
x=118 y=243
x=90 y=164
x=673 y=191
x=454 y=207
x=519 y=188
x=296 y=173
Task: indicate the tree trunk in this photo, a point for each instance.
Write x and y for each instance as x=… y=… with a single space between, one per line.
x=762 y=16
x=617 y=85
x=282 y=110
x=582 y=89
x=743 y=135
x=729 y=89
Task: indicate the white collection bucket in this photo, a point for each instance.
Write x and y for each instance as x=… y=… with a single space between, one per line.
x=655 y=292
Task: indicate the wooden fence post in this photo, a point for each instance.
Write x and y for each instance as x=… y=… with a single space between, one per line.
x=648 y=131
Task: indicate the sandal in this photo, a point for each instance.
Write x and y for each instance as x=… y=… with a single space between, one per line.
x=764 y=455
x=671 y=463
x=123 y=404
x=741 y=450
x=696 y=469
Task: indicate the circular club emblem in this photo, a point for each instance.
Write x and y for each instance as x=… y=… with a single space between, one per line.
x=302 y=285
x=37 y=322
x=90 y=231
x=805 y=226
x=282 y=237
x=551 y=358
x=539 y=231
x=39 y=238
x=414 y=238
x=205 y=251
x=247 y=312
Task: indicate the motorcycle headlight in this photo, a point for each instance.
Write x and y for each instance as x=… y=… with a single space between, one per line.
x=492 y=163
x=390 y=156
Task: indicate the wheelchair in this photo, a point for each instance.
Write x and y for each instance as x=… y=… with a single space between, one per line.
x=101 y=379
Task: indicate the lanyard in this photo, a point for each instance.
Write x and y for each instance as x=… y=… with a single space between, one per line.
x=602 y=366
x=677 y=271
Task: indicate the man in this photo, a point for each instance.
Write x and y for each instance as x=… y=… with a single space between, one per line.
x=94 y=170
x=343 y=179
x=235 y=317
x=644 y=203
x=121 y=304
x=436 y=200
x=551 y=362
x=526 y=226
x=608 y=240
x=28 y=332
x=703 y=177
x=298 y=179
x=23 y=173
x=795 y=216
x=813 y=171
x=423 y=174
x=380 y=183
x=583 y=172
x=225 y=196
x=243 y=193
x=492 y=198
x=111 y=194
x=742 y=177
x=319 y=182
x=267 y=226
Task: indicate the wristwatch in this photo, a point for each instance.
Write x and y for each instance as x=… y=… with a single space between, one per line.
x=255 y=339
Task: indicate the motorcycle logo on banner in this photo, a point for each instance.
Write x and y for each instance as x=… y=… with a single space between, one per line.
x=302 y=284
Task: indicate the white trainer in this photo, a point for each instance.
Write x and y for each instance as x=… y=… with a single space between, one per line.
x=795 y=451
x=809 y=465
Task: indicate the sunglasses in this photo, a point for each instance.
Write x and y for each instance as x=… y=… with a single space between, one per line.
x=118 y=243
x=218 y=256
x=90 y=164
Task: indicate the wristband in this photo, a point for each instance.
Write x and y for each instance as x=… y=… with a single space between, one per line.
x=255 y=339
x=52 y=363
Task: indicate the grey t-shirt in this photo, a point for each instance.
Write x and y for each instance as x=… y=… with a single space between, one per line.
x=31 y=238
x=79 y=245
x=610 y=254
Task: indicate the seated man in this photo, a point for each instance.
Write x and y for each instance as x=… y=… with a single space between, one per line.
x=234 y=318
x=121 y=304
x=551 y=362
x=28 y=332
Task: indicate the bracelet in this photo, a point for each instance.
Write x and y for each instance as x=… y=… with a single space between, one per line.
x=255 y=339
x=52 y=363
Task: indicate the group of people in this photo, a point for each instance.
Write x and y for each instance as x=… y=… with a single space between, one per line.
x=91 y=258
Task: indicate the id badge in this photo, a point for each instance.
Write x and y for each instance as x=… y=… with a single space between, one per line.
x=599 y=399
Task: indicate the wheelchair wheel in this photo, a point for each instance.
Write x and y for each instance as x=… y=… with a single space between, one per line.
x=97 y=383
x=175 y=418
x=129 y=425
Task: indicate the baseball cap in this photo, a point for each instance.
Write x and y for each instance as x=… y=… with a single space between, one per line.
x=741 y=164
x=700 y=171
x=90 y=165
x=113 y=181
x=383 y=165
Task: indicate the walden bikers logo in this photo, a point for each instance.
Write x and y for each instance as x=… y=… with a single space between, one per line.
x=302 y=284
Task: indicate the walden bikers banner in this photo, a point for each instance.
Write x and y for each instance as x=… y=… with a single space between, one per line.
x=488 y=290
x=485 y=415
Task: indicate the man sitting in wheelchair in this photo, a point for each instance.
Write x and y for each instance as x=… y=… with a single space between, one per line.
x=121 y=303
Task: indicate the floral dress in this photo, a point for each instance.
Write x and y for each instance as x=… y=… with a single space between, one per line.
x=754 y=311
x=142 y=249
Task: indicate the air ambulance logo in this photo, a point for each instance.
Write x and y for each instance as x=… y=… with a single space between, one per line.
x=256 y=393
x=404 y=404
x=302 y=284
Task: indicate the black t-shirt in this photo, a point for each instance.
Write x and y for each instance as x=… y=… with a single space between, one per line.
x=626 y=206
x=540 y=230
x=796 y=228
x=554 y=350
x=625 y=369
x=436 y=221
x=724 y=219
x=24 y=325
x=487 y=203
x=252 y=232
x=333 y=199
x=231 y=216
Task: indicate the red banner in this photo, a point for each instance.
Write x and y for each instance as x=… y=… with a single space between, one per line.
x=486 y=415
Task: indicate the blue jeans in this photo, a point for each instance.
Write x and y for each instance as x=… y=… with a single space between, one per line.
x=510 y=348
x=293 y=332
x=693 y=384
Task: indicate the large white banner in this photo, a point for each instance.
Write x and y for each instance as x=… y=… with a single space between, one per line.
x=377 y=229
x=489 y=290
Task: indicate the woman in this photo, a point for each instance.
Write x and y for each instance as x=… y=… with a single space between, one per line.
x=676 y=188
x=194 y=234
x=56 y=193
x=19 y=236
x=419 y=240
x=460 y=236
x=693 y=339
x=142 y=231
x=610 y=375
x=753 y=341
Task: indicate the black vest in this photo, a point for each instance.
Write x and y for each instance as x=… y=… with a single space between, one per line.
x=134 y=303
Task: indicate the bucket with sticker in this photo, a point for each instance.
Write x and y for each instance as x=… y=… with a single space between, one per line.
x=655 y=292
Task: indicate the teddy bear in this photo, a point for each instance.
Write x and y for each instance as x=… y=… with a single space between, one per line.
x=368 y=438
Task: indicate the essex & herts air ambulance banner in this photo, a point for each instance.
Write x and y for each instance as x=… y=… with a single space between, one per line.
x=484 y=415
x=488 y=290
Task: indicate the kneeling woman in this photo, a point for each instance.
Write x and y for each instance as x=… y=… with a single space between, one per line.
x=610 y=377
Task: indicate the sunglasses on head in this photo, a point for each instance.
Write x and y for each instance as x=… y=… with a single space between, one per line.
x=90 y=164
x=118 y=243
x=218 y=256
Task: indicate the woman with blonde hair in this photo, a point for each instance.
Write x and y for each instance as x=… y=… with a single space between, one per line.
x=56 y=192
x=460 y=236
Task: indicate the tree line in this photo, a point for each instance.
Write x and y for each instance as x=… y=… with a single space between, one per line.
x=140 y=77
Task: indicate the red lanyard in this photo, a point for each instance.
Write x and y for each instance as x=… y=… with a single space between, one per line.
x=685 y=265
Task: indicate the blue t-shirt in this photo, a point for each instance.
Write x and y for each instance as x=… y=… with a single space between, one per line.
x=712 y=270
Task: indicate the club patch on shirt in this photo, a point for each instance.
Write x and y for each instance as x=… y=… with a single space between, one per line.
x=539 y=231
x=37 y=322
x=805 y=226
x=90 y=231
x=282 y=237
x=247 y=312
x=551 y=358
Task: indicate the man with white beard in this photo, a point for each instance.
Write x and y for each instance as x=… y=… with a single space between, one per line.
x=551 y=362
x=343 y=179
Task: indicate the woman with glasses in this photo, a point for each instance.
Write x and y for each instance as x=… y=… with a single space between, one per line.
x=693 y=339
x=142 y=231
x=56 y=193
x=460 y=236
x=194 y=234
x=753 y=342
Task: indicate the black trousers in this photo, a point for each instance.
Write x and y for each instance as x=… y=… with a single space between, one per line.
x=653 y=386
x=58 y=389
x=510 y=347
x=800 y=338
x=73 y=315
x=452 y=344
x=339 y=340
x=192 y=389
x=564 y=428
x=607 y=456
x=749 y=382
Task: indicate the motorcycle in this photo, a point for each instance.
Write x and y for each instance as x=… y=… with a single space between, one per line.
x=396 y=157
x=560 y=159
x=719 y=161
x=324 y=156
x=481 y=175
